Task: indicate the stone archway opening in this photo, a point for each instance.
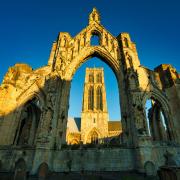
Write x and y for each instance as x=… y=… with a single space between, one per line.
x=158 y=123
x=95 y=38
x=76 y=101
x=28 y=123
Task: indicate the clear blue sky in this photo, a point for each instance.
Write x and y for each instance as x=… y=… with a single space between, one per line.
x=28 y=28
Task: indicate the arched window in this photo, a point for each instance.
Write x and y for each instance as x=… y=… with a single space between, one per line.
x=91 y=78
x=99 y=78
x=95 y=39
x=158 y=126
x=29 y=121
x=94 y=137
x=90 y=98
x=99 y=99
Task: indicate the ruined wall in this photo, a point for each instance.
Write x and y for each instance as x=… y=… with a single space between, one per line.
x=47 y=89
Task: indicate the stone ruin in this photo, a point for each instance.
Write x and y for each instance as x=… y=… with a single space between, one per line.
x=34 y=109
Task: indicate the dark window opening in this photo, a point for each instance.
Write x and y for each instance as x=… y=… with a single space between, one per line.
x=157 y=123
x=91 y=98
x=99 y=78
x=91 y=78
x=95 y=40
x=99 y=99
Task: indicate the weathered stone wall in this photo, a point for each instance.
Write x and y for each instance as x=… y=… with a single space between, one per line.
x=107 y=159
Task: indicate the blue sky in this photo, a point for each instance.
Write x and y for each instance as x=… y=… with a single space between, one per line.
x=28 y=28
x=112 y=94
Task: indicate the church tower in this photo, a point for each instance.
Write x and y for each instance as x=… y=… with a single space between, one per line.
x=94 y=118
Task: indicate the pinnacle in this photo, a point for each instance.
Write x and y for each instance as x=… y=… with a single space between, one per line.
x=94 y=16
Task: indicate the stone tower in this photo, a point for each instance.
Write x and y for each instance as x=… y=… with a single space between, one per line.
x=94 y=118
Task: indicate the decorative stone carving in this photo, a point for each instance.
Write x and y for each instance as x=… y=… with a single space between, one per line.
x=94 y=16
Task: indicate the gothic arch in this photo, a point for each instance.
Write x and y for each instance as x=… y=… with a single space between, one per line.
x=88 y=137
x=96 y=34
x=157 y=96
x=30 y=94
x=133 y=81
x=67 y=60
x=105 y=56
x=164 y=107
x=29 y=117
x=89 y=53
x=43 y=170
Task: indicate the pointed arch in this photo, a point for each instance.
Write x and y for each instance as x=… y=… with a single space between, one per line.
x=95 y=38
x=30 y=93
x=159 y=117
x=89 y=52
x=43 y=170
x=158 y=125
x=29 y=119
x=93 y=136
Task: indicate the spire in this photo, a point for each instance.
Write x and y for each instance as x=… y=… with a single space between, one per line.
x=94 y=16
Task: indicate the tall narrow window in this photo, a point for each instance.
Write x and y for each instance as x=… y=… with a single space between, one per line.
x=91 y=98
x=99 y=99
x=99 y=78
x=158 y=125
x=30 y=116
x=94 y=138
x=95 y=40
x=91 y=78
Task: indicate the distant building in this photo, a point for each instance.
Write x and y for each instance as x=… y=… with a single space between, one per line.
x=94 y=125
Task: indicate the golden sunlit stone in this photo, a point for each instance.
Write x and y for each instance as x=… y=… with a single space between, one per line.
x=34 y=110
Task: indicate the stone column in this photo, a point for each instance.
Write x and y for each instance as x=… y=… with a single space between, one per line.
x=62 y=118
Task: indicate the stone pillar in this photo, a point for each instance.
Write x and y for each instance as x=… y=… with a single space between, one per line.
x=62 y=109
